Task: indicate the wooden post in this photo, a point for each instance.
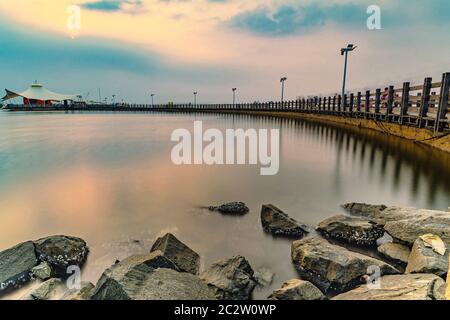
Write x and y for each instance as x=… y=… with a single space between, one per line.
x=367 y=104
x=390 y=103
x=425 y=102
x=320 y=103
x=443 y=101
x=377 y=101
x=358 y=102
x=339 y=103
x=344 y=104
x=350 y=104
x=405 y=102
x=329 y=103
x=334 y=103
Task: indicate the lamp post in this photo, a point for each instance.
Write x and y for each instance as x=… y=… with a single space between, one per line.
x=234 y=96
x=152 y=95
x=282 y=80
x=195 y=98
x=345 y=51
x=113 y=98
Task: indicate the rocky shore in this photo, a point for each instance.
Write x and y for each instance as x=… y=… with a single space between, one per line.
x=373 y=252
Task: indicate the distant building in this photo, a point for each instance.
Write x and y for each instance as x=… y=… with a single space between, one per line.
x=38 y=95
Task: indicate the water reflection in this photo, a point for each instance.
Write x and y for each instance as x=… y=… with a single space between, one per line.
x=108 y=178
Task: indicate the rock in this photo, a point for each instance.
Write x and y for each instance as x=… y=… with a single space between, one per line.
x=263 y=277
x=333 y=268
x=47 y=290
x=230 y=279
x=364 y=209
x=424 y=259
x=233 y=208
x=42 y=271
x=278 y=223
x=61 y=251
x=16 y=264
x=411 y=223
x=296 y=289
x=395 y=252
x=173 y=249
x=400 y=287
x=150 y=277
x=84 y=293
x=355 y=230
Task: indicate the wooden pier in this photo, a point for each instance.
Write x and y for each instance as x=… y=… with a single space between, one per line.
x=412 y=105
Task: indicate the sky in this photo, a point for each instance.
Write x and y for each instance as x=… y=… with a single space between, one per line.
x=132 y=48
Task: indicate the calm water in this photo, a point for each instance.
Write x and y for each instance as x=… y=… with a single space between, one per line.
x=108 y=179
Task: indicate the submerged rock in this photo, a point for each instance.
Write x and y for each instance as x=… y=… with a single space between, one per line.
x=263 y=277
x=278 y=223
x=333 y=268
x=364 y=209
x=355 y=230
x=400 y=287
x=16 y=264
x=184 y=257
x=61 y=251
x=232 y=208
x=42 y=271
x=150 y=277
x=230 y=279
x=296 y=289
x=395 y=252
x=424 y=259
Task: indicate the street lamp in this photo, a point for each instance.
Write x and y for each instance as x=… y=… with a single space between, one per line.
x=195 y=98
x=282 y=80
x=113 y=98
x=234 y=96
x=152 y=95
x=345 y=51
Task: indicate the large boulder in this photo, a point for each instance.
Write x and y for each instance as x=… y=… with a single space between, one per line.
x=355 y=230
x=278 y=223
x=149 y=277
x=395 y=252
x=16 y=264
x=173 y=249
x=61 y=252
x=424 y=259
x=231 y=208
x=412 y=223
x=297 y=289
x=230 y=279
x=400 y=287
x=333 y=268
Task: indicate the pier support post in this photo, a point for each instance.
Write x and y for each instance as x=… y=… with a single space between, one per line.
x=390 y=103
x=367 y=105
x=443 y=102
x=405 y=102
x=425 y=102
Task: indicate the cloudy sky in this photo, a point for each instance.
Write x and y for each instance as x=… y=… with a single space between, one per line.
x=132 y=48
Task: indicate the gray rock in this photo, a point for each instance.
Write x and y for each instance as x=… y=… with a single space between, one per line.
x=48 y=290
x=42 y=271
x=411 y=223
x=84 y=293
x=184 y=257
x=263 y=277
x=149 y=277
x=364 y=209
x=355 y=230
x=232 y=208
x=395 y=252
x=400 y=287
x=296 y=289
x=425 y=260
x=61 y=251
x=333 y=268
x=230 y=279
x=278 y=223
x=16 y=264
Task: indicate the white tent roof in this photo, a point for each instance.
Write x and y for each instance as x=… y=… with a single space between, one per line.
x=38 y=92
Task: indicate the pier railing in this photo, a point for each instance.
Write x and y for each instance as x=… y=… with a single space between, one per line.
x=413 y=105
